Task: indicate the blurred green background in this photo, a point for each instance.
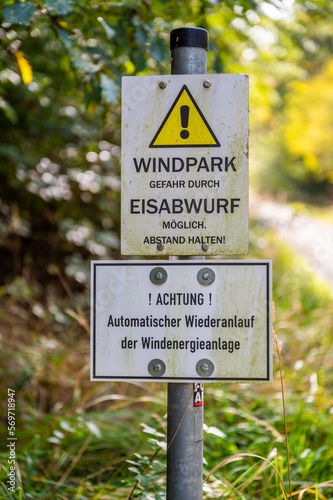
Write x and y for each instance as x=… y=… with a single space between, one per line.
x=61 y=63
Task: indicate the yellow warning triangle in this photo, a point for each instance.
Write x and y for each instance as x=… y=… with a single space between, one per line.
x=184 y=125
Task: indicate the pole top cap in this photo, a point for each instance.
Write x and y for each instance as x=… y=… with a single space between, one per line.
x=189 y=37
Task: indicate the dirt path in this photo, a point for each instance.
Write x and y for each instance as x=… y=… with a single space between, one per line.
x=312 y=237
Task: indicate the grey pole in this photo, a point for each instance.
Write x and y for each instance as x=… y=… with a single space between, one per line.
x=185 y=421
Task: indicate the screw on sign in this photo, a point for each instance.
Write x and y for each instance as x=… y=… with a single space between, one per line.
x=205 y=367
x=206 y=276
x=156 y=368
x=158 y=276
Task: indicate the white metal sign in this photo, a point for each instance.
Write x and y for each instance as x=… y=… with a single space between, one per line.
x=184 y=165
x=181 y=321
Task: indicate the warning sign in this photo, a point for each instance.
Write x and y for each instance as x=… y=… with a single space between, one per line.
x=184 y=165
x=184 y=125
x=200 y=321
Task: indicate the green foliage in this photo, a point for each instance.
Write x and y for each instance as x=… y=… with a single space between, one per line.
x=60 y=70
x=110 y=91
x=19 y=13
x=61 y=7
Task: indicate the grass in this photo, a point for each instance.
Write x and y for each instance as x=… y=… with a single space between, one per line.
x=84 y=440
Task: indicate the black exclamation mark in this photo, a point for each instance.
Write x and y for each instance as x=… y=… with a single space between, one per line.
x=210 y=299
x=150 y=299
x=184 y=113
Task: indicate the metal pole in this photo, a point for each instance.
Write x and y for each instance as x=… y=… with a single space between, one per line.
x=185 y=421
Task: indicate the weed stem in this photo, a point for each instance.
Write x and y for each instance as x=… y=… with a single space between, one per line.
x=278 y=349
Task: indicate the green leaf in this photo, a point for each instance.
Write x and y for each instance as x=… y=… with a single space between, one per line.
x=151 y=430
x=109 y=89
x=139 y=60
x=215 y=431
x=159 y=51
x=87 y=66
x=64 y=37
x=19 y=13
x=140 y=36
x=110 y=32
x=94 y=429
x=9 y=112
x=5 y=490
x=143 y=480
x=60 y=7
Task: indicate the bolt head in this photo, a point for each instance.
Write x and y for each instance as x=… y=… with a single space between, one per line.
x=205 y=246
x=158 y=275
x=207 y=84
x=160 y=246
x=205 y=276
x=162 y=85
x=156 y=368
x=204 y=367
